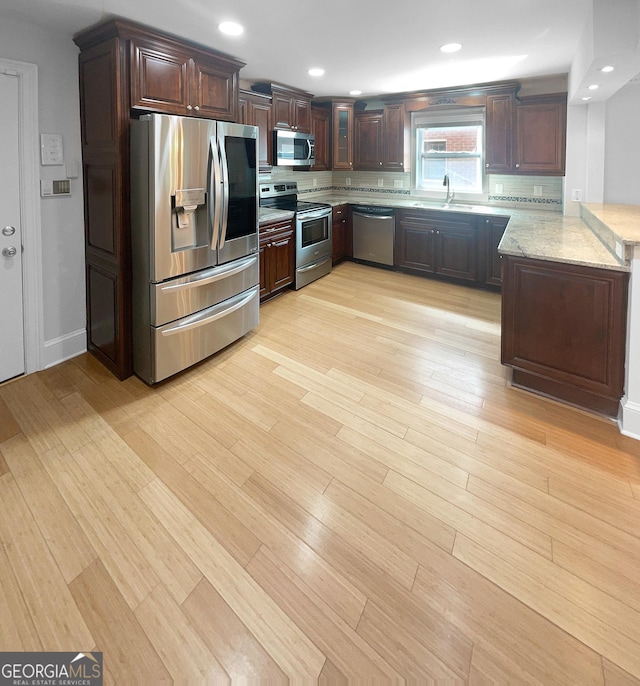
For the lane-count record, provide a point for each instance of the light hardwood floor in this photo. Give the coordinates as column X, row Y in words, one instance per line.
column 351, row 492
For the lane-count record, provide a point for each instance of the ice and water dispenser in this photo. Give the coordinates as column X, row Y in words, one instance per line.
column 189, row 219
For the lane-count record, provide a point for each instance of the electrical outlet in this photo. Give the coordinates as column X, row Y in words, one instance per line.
column 499, row 189
column 576, row 195
column 537, row 191
column 397, row 183
column 380, row 183
column 315, row 183
column 348, row 180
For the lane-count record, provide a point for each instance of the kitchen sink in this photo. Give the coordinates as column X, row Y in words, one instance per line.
column 446, row 206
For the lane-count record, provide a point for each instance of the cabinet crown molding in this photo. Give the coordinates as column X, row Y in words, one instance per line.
column 122, row 28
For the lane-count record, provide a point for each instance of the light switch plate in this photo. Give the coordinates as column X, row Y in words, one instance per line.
column 51, row 151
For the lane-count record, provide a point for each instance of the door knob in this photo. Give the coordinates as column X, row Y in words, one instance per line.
column 8, row 231
column 9, row 252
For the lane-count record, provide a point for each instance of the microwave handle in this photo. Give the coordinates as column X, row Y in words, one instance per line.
column 310, row 147
column 214, row 194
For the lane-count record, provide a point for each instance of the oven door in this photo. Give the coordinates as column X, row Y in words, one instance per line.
column 313, row 236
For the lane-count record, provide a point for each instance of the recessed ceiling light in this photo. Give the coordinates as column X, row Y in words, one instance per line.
column 587, row 97
column 607, row 69
column 355, row 92
column 594, row 87
column 230, row 28
column 316, row 71
column 451, row 47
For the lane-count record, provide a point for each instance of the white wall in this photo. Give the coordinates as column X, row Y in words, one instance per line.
column 622, row 147
column 63, row 296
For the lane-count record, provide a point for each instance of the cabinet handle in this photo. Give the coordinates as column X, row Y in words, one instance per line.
column 189, row 108
column 517, row 166
column 197, row 108
column 380, row 163
column 487, row 165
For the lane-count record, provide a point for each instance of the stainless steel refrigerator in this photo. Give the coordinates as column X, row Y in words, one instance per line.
column 194, row 220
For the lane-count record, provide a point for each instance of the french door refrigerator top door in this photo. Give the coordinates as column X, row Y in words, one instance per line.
column 203, row 193
column 235, row 180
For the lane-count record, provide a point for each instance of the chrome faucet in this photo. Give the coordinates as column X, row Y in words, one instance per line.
column 450, row 193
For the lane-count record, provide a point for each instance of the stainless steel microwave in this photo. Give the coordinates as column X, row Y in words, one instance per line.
column 293, row 148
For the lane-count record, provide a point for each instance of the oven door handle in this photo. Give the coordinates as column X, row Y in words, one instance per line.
column 314, row 215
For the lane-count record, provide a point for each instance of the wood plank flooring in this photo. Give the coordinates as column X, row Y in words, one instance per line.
column 352, row 492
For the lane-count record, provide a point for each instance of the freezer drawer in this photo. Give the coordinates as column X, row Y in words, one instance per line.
column 171, row 300
column 182, row 343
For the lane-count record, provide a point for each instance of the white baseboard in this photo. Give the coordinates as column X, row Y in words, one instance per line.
column 629, row 422
column 64, row 348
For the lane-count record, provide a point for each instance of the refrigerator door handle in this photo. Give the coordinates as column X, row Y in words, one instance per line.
column 225, row 190
column 215, row 199
column 204, row 318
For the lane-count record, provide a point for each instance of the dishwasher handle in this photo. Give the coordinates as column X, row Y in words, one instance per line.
column 372, row 216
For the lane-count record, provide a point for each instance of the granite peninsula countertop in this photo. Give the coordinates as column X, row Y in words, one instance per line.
column 602, row 237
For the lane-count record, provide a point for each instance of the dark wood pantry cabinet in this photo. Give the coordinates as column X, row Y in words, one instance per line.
column 125, row 70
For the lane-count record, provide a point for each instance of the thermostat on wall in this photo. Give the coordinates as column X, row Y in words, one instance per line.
column 50, row 188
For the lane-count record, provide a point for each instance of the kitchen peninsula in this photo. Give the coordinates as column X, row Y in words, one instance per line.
column 565, row 281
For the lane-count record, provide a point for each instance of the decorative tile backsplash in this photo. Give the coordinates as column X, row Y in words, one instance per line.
column 539, row 192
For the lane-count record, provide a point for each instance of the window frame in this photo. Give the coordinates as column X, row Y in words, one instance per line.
column 445, row 117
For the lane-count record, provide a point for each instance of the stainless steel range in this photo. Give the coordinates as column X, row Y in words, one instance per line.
column 313, row 229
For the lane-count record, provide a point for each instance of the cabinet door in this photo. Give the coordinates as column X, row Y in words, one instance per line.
column 282, row 261
column 564, row 330
column 541, row 137
column 277, row 257
column 320, row 123
column 342, row 129
column 339, row 233
column 414, row 247
column 214, row 89
column 283, row 115
column 499, row 133
column 456, row 250
column 159, row 77
column 491, row 230
column 265, row 289
column 259, row 114
column 368, row 140
column 302, row 115
column 393, row 137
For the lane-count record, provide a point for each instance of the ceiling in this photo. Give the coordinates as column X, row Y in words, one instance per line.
column 376, row 48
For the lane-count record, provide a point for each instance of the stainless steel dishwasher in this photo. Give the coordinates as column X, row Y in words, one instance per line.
column 373, row 234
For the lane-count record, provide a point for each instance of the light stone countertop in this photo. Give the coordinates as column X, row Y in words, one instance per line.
column 268, row 214
column 542, row 234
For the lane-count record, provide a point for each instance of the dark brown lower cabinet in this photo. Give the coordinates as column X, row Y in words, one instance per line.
column 277, row 257
column 339, row 233
column 564, row 330
column 437, row 243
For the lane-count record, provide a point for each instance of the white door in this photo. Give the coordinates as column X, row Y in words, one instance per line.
column 12, row 357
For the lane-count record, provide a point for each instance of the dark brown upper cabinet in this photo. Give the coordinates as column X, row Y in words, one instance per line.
column 291, row 108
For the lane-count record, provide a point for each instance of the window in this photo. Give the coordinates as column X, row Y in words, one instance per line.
column 449, row 142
